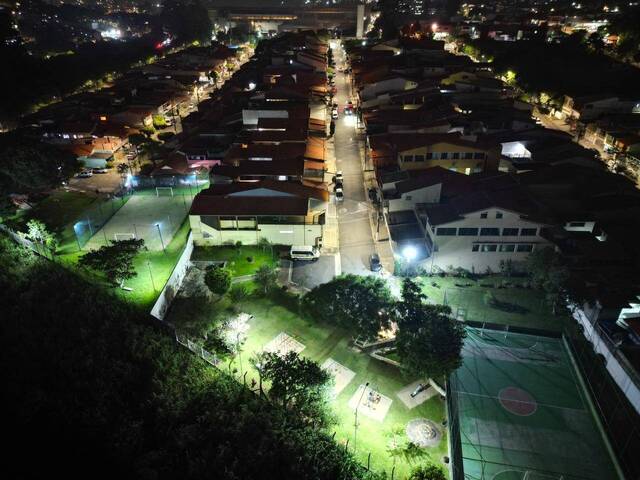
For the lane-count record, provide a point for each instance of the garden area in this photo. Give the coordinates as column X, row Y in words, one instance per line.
column 240, row 259
column 400, row 417
column 493, row 299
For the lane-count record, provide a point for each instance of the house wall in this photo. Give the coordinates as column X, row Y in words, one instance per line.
column 397, row 84
column 251, row 117
column 408, row 200
column 458, row 250
column 281, row 234
column 467, row 166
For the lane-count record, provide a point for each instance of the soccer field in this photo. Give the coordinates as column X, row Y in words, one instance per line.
column 518, row 411
column 152, row 218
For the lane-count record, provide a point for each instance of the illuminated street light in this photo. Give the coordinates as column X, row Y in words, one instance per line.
column 252, row 85
column 409, row 253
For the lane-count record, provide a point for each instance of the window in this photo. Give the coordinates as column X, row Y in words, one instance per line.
column 429, row 156
column 483, row 215
column 498, row 214
column 524, row 248
column 407, row 158
column 407, row 197
column 419, row 158
column 468, row 155
column 507, row 248
column 478, row 155
column 446, row 232
column 489, row 248
column 490, row 232
column 475, row 248
column 528, row 232
column 456, row 155
column 468, row 232
column 510, row 232
column 577, row 224
column 444, row 155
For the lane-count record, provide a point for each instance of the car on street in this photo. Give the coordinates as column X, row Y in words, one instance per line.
column 339, row 194
column 420, row 388
column 334, row 113
column 338, row 178
column 374, row 262
column 100, row 170
column 304, row 252
column 84, row 174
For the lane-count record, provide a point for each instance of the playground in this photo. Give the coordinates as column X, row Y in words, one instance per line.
column 518, row 411
column 152, row 218
column 379, row 434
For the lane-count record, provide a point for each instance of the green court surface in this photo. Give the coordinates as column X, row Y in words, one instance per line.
column 152, row 218
column 518, row 411
column 375, row 437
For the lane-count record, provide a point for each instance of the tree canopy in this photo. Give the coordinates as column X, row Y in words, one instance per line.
column 91, row 385
column 217, row 279
column 115, row 261
column 360, row 304
column 428, row 340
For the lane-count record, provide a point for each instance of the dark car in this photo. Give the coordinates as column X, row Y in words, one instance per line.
column 374, row 262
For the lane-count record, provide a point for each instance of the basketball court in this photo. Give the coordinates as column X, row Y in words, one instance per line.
column 341, row 374
column 155, row 219
column 518, row 411
column 370, row 403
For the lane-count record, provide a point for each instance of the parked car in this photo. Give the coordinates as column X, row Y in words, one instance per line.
column 339, row 194
column 374, row 262
column 420, row 388
column 100, row 170
column 85, row 174
column 338, row 177
column 304, row 252
column 334, row 113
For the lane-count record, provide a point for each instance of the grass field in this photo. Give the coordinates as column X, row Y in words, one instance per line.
column 522, row 412
column 322, row 342
column 237, row 260
column 522, row 307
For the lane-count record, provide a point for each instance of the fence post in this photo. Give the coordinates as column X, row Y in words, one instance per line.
column 369, row 461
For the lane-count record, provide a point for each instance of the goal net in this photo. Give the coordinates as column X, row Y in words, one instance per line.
column 164, row 191
column 124, row 236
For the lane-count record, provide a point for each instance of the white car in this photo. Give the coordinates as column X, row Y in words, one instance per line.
column 334, row 113
column 85, row 174
column 339, row 194
column 339, row 177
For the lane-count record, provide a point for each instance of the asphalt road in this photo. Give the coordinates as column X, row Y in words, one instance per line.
column 356, row 241
column 312, row 274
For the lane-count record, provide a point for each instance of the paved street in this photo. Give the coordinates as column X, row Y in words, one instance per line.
column 312, row 274
column 356, row 242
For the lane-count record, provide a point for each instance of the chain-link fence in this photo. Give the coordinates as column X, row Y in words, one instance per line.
column 96, row 216
column 620, row 419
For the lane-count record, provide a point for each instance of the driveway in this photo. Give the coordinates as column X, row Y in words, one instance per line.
column 98, row 183
column 311, row 274
column 356, row 241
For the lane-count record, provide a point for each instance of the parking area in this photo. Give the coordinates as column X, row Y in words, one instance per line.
column 311, row 274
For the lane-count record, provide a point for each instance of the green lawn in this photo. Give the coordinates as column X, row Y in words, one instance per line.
column 238, row 260
column 517, row 306
column 323, row 342
column 59, row 211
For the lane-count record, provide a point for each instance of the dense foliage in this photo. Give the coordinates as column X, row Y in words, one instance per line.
column 360, row 304
column 217, row 279
column 115, row 260
column 428, row 340
column 91, row 388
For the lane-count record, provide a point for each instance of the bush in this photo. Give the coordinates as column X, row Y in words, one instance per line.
column 249, row 259
column 218, row 279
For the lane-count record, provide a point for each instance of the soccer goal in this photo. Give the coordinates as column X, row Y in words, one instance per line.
column 124, row 236
column 164, row 191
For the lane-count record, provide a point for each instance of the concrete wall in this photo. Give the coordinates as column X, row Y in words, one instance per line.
column 457, row 250
column 172, row 286
column 614, row 367
column 408, row 200
column 277, row 234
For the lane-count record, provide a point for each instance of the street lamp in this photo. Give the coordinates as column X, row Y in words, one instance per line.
column 409, row 253
column 355, row 425
column 160, row 233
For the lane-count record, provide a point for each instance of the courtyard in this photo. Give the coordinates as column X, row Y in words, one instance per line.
column 385, row 409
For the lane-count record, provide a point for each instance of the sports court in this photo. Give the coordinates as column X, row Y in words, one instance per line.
column 519, row 411
column 154, row 218
column 283, row 344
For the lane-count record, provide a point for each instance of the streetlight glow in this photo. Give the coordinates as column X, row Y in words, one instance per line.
column 409, row 252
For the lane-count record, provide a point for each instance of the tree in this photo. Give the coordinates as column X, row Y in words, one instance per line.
column 188, row 20
column 218, row 279
column 266, row 277
column 27, row 166
column 549, row 273
column 115, row 261
column 428, row 472
column 428, row 340
column 360, row 304
column 296, row 382
column 37, row 232
column 264, row 243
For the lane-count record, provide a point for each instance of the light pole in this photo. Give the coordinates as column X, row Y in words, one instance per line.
column 160, row 233
column 151, row 276
column 355, row 425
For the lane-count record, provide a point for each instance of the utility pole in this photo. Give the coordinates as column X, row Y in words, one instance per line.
column 355, row 425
